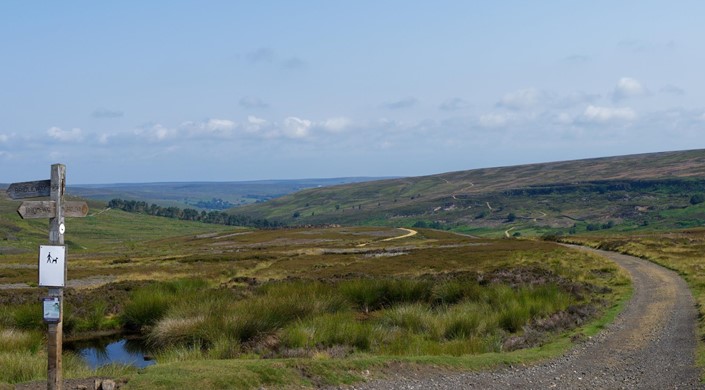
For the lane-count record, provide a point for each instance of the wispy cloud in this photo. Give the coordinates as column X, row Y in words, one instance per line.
column 454, row 104
column 628, row 87
column 576, row 59
column 521, row 99
column 262, row 54
column 294, row 127
column 293, row 63
column 641, row 46
column 154, row 133
column 401, row 103
column 493, row 120
column 598, row 114
column 212, row 128
column 106, row 113
column 672, row 90
column 336, row 125
column 266, row 55
column 72, row 135
column 253, row 102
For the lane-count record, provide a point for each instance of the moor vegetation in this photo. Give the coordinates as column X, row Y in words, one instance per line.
column 216, row 217
column 232, row 300
column 630, row 192
column 268, row 305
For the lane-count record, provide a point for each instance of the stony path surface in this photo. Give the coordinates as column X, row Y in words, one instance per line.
column 651, row 345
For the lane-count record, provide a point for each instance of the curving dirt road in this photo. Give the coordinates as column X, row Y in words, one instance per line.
column 651, row 345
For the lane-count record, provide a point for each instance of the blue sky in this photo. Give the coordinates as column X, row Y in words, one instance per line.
column 145, row 91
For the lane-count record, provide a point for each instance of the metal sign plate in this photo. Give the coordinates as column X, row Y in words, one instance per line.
column 52, row 265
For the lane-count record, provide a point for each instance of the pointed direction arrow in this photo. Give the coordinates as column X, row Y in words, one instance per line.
column 47, row 209
column 37, row 209
column 29, row 189
column 75, row 209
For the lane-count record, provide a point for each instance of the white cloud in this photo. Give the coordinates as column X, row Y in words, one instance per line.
column 212, row 128
column 219, row 126
column 521, row 99
column 296, row 127
column 4, row 137
column 156, row 132
column 564, row 118
column 672, row 89
column 253, row 102
column 598, row 114
column 254, row 124
column 74, row 134
column 575, row 98
column 107, row 113
column 336, row 125
column 493, row 120
column 262, row 54
column 577, row 59
column 628, row 87
column 454, row 104
column 401, row 103
column 293, row 63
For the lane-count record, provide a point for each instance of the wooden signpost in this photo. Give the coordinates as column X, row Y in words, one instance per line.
column 52, row 258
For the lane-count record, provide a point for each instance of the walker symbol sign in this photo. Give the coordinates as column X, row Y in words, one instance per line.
column 52, row 265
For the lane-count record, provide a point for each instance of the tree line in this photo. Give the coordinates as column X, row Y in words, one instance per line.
column 215, row 217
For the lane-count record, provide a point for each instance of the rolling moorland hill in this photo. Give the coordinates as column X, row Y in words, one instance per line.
column 644, row 191
column 204, row 195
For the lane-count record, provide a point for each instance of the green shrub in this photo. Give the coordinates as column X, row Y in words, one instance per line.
column 374, row 294
column 415, row 318
column 330, row 330
column 146, row 307
column 454, row 291
column 365, row 294
column 28, row 317
column 18, row 367
column 12, row 340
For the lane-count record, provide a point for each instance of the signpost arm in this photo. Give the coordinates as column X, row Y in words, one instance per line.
column 56, row 237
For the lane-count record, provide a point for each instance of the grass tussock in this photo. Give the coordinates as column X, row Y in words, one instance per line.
column 453, row 315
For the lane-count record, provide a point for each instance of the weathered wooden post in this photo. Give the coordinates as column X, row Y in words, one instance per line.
column 52, row 257
column 56, row 237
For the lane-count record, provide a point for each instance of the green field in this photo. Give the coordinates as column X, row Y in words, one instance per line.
column 447, row 272
column 241, row 308
column 626, row 193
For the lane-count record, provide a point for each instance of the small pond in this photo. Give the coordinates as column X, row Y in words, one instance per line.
column 101, row 351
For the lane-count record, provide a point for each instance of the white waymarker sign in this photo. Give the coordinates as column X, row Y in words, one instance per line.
column 52, row 265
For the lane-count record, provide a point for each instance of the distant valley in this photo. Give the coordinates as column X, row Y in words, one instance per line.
column 646, row 191
column 205, row 195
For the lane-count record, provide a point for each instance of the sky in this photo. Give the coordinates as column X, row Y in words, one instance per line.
column 154, row 91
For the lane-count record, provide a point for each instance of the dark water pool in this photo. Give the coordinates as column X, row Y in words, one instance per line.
column 101, row 351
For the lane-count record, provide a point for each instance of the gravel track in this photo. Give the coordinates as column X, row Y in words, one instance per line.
column 651, row 345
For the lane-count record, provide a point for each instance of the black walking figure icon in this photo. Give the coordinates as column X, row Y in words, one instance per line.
column 50, row 259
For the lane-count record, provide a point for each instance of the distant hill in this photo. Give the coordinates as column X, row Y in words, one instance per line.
column 205, row 195
column 626, row 192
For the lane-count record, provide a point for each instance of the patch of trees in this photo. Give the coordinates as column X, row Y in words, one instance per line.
column 591, row 227
column 213, row 204
column 215, row 217
column 604, row 186
column 433, row 225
